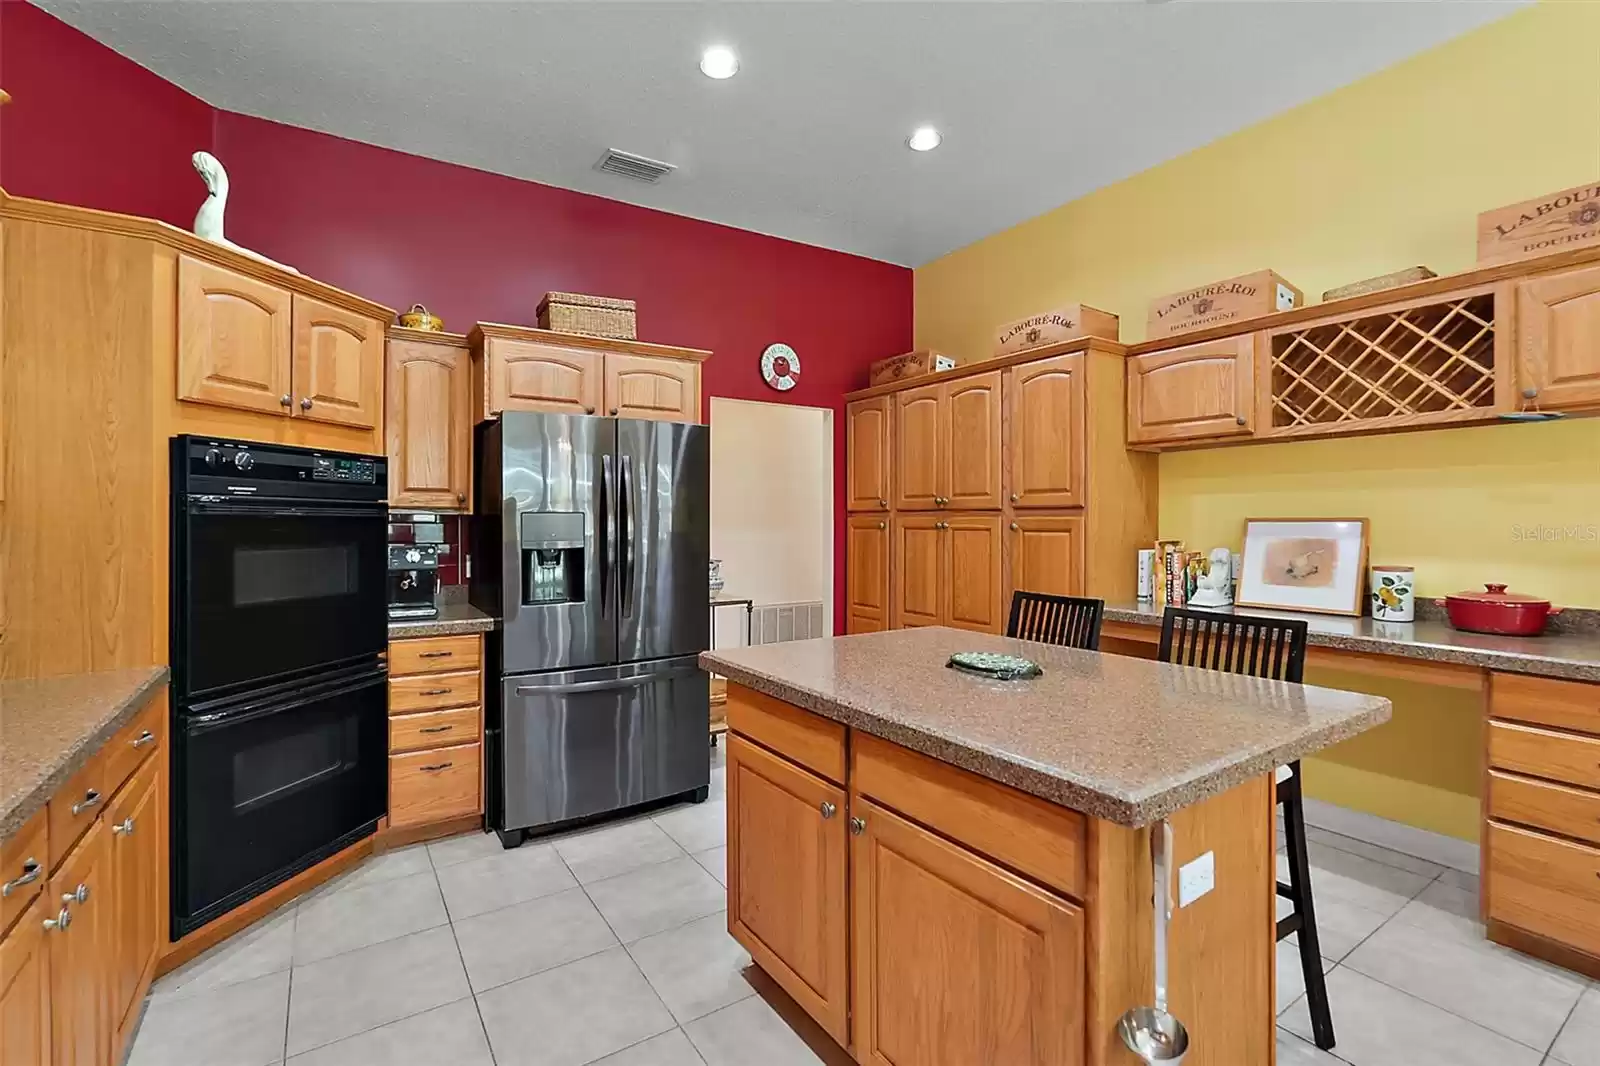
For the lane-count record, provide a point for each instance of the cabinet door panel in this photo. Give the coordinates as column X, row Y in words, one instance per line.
column 867, row 445
column 80, row 1015
column 135, row 826
column 787, row 896
column 524, row 376
column 867, row 573
column 917, row 574
column 1558, row 338
column 1197, row 391
column 233, row 339
column 667, row 390
column 25, row 989
column 972, row 442
column 941, row 934
column 338, row 364
column 918, row 429
column 1045, row 443
column 973, row 573
column 1047, row 554
column 429, row 425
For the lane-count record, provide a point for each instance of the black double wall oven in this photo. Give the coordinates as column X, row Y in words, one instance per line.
column 279, row 589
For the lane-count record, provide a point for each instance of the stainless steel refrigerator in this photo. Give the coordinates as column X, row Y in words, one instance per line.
column 591, row 543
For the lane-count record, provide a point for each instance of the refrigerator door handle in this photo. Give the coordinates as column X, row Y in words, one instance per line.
column 628, row 536
column 599, row 686
column 609, row 503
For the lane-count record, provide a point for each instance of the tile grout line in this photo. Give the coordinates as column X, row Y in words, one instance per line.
column 1550, row 1052
column 472, row 993
column 288, row 999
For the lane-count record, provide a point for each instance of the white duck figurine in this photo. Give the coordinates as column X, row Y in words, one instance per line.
column 208, row 220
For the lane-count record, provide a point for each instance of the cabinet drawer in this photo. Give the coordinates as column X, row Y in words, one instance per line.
column 1545, row 886
column 1541, row 753
column 427, row 692
column 797, row 735
column 1571, row 812
column 1031, row 836
column 412, row 732
column 77, row 803
column 429, row 655
column 24, row 859
column 433, row 785
column 137, row 741
column 1546, row 701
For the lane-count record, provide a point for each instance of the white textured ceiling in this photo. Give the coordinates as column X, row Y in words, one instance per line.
column 1039, row 102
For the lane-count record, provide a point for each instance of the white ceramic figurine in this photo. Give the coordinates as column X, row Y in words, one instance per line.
column 1216, row 588
column 208, row 220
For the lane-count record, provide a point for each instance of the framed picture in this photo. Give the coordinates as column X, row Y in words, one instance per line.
column 1304, row 564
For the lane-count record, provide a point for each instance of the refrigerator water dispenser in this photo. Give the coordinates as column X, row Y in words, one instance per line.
column 552, row 557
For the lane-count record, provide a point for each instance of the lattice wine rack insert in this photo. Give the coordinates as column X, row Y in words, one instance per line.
column 1423, row 360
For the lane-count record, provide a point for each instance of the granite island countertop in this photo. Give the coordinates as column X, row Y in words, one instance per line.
column 454, row 619
column 49, row 728
column 1124, row 739
column 1565, row 650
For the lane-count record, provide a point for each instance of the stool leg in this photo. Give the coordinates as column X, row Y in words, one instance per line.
column 1294, row 833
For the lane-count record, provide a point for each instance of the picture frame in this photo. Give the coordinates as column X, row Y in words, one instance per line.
column 1317, row 565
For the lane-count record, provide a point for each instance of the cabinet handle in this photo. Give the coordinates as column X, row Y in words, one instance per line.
column 437, row 767
column 883, row 525
column 1527, row 394
column 144, row 738
column 285, row 399
column 77, row 895
column 123, row 828
column 90, row 799
column 589, row 409
column 858, row 826
column 435, row 655
column 1015, row 526
column 461, row 497
column 435, row 692
column 60, row 921
column 1015, row 497
column 305, row 403
column 437, row 729
column 828, row 809
column 1242, row 420
column 30, row 874
column 884, row 504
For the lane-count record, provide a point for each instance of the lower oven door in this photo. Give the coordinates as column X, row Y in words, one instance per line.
column 583, row 742
column 263, row 790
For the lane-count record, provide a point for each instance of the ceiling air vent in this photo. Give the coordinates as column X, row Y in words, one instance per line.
column 634, row 167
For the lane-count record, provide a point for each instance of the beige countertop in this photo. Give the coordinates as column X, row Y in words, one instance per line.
column 49, row 728
column 1569, row 649
column 454, row 619
column 1120, row 738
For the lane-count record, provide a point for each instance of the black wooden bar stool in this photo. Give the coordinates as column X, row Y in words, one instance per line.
column 1275, row 648
column 1070, row 620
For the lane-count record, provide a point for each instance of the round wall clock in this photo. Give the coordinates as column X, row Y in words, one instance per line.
column 780, row 367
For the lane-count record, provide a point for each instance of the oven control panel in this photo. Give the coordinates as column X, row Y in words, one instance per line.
column 236, row 468
column 359, row 471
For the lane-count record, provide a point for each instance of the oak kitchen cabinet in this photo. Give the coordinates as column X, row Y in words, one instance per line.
column 1204, row 390
column 867, row 445
column 1558, row 339
column 867, row 573
column 435, row 733
column 1046, row 553
column 251, row 345
column 947, row 571
column 25, row 990
column 947, row 445
column 428, row 423
column 516, row 368
column 1045, row 403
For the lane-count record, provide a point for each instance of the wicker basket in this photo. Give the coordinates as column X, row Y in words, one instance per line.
column 598, row 316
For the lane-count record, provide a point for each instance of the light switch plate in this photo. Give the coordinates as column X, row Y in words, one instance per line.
column 1196, row 878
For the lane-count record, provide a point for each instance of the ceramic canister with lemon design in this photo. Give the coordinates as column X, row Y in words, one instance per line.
column 1393, row 595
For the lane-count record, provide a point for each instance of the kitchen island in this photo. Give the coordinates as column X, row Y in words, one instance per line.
column 942, row 868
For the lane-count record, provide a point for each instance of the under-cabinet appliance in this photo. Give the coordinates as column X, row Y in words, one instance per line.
column 591, row 544
column 278, row 631
column 413, row 580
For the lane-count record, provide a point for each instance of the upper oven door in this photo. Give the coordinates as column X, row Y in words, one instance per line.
column 266, row 592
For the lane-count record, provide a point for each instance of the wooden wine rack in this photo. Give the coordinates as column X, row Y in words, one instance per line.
column 1432, row 361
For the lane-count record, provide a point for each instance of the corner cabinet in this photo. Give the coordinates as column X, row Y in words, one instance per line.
column 867, row 573
column 516, row 368
column 1197, row 391
column 1558, row 339
column 429, row 420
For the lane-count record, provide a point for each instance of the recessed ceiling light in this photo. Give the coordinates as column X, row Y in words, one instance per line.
column 924, row 139
column 719, row 62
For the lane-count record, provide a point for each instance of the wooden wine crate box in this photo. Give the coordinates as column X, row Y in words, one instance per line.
column 910, row 365
column 1555, row 222
column 1065, row 323
column 1220, row 303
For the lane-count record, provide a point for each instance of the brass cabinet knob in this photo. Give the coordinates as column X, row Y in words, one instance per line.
column 1015, row 526
column 883, row 525
column 1015, row 497
column 614, row 410
column 1242, row 420
column 461, row 497
column 828, row 809
column 588, row 409
column 858, row 826
column 884, row 504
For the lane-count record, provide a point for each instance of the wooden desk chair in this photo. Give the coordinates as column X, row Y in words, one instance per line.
column 1069, row 620
column 1275, row 648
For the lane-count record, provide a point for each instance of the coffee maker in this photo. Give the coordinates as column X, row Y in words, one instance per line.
column 413, row 580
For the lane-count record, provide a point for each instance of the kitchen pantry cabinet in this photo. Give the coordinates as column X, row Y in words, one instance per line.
column 1045, row 403
column 1558, row 339
column 429, row 420
column 1046, row 553
column 867, row 573
column 435, row 733
column 1204, row 390
column 947, row 571
column 252, row 346
column 521, row 369
column 867, row 444
column 947, row 445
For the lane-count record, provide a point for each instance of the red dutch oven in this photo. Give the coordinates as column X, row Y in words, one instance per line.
column 1495, row 610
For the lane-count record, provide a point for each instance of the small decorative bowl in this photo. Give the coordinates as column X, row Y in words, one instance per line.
column 994, row 666
column 420, row 317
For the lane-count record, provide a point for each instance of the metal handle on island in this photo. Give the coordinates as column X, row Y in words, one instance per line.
column 30, row 874
column 123, row 828
column 77, row 895
column 90, row 799
column 144, row 738
column 60, row 921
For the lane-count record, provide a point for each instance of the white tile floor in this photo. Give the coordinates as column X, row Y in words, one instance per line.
column 609, row 946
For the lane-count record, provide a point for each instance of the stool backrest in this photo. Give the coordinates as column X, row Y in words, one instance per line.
column 1236, row 643
column 1073, row 621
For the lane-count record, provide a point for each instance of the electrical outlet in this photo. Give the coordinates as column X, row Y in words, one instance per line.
column 1197, row 878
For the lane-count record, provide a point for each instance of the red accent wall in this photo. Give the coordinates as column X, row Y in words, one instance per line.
column 88, row 126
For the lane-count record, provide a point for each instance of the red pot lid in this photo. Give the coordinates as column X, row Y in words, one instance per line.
column 1497, row 595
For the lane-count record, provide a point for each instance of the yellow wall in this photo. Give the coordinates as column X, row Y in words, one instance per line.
column 1387, row 173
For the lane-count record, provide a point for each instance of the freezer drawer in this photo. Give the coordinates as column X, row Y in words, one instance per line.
column 584, row 742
